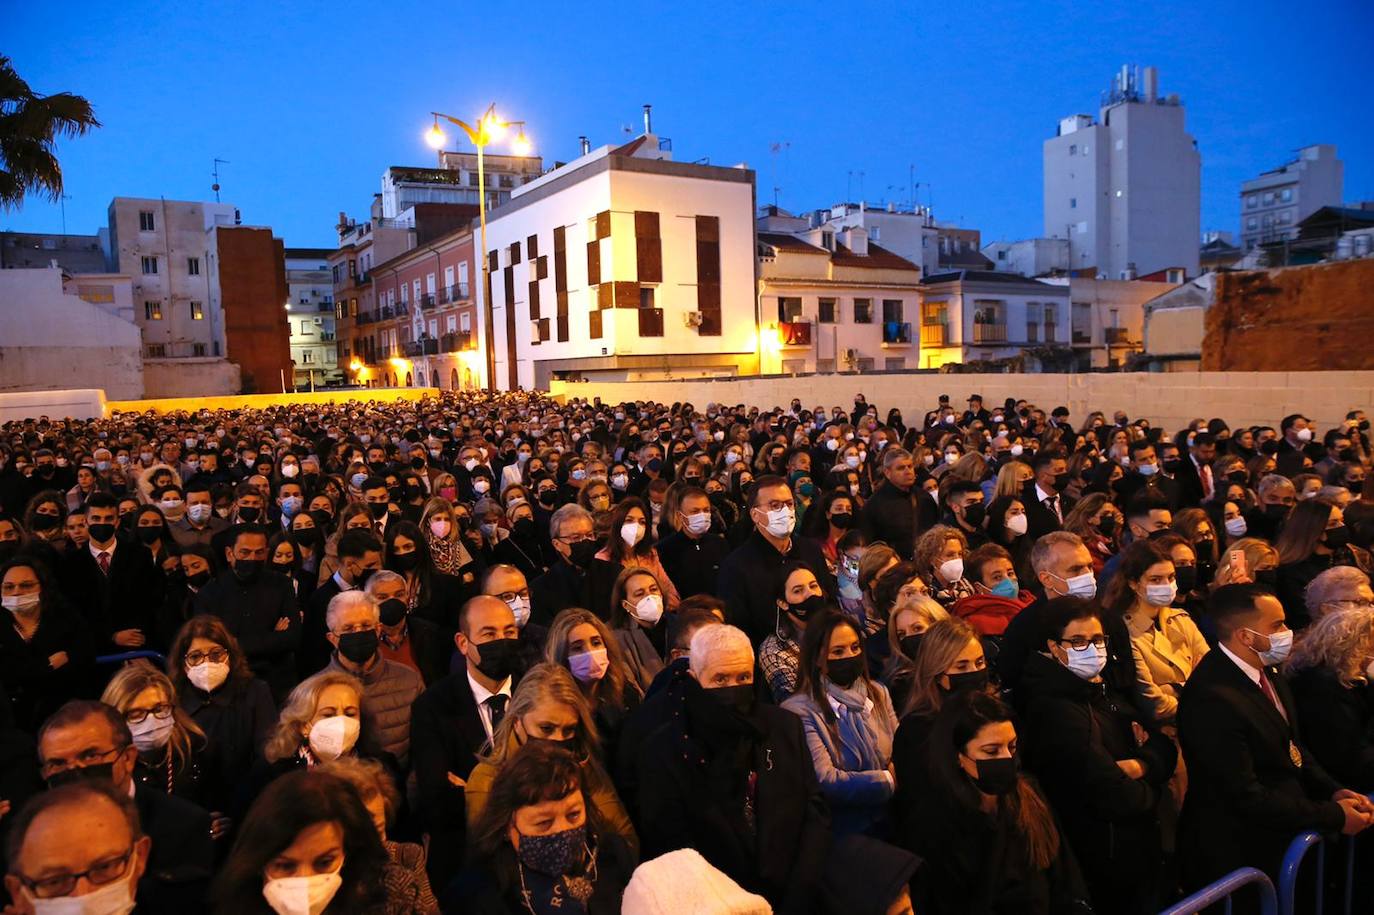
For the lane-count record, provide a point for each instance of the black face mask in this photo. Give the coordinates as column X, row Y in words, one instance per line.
column 975, row 681
column 1336, row 537
column 378, row 467
column 100, row 533
column 378, row 510
column 1237, row 476
column 523, row 529
column 100, row 772
column 404, row 562
column 358, row 647
column 43, row 522
column 249, row 513
column 1061, row 481
column 844, row 671
column 1206, row 550
column 1107, row 526
column 414, row 492
column 975, row 513
column 842, row 520
column 911, row 644
column 417, row 463
column 654, row 466
column 1172, row 465
column 1355, row 486
column 583, row 552
column 247, row 570
column 1267, row 577
column 548, row 498
column 738, row 698
column 1162, row 532
column 285, row 568
column 198, row 579
column 805, row 609
column 1364, row 425
column 498, row 659
column 149, row 534
column 323, row 519
column 1186, row 578
column 1276, row 510
column 393, row 611
column 996, row 776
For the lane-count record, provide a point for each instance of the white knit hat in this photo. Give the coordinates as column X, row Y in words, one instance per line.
column 683, row 881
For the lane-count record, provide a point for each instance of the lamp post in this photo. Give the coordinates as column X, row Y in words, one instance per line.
column 489, row 127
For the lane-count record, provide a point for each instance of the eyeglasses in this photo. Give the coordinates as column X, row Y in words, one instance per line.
column 138, row 715
column 91, row 757
column 99, row 874
column 577, row 538
column 196, row 658
column 1079, row 643
column 510, row 596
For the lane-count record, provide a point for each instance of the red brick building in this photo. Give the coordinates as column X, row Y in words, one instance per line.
column 248, row 278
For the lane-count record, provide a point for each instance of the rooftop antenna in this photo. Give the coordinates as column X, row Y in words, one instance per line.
column 62, row 201
column 215, row 187
column 776, row 148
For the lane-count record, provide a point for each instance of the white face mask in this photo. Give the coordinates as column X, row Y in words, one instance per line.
column 113, row 899
column 780, row 522
column 208, row 675
column 290, row 470
column 1161, row 595
column 1304, row 435
column 620, row 481
column 22, row 603
column 1087, row 663
column 851, row 461
column 152, row 733
column 1280, row 644
column 1236, row 526
column 952, row 570
column 302, row 895
column 199, row 513
column 332, row 737
column 470, row 464
column 631, row 532
column 1017, row 524
column 480, row 486
column 649, row 609
column 521, row 608
column 699, row 523
column 1084, row 585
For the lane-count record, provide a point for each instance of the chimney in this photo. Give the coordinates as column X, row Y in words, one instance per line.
column 586, row 145
column 1151, row 84
column 648, row 122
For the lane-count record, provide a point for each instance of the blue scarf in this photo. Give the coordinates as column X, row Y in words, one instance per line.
column 858, row 747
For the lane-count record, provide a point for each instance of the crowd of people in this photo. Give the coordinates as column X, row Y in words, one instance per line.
column 499, row 654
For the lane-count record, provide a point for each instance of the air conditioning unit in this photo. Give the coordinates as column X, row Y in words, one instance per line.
column 692, row 319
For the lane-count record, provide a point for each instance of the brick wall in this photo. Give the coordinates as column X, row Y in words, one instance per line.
column 253, row 291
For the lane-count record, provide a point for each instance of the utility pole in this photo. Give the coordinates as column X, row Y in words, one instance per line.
column 215, row 187
column 62, row 201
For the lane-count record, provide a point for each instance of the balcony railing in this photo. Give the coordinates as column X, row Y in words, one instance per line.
column 458, row 292
column 1115, row 335
column 896, row 332
column 456, row 342
column 366, row 317
column 325, row 307
column 427, row 302
column 1082, row 336
column 989, row 333
column 425, row 347
column 795, row 333
column 934, row 334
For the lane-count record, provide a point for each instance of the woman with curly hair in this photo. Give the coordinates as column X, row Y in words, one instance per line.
column 1331, row 670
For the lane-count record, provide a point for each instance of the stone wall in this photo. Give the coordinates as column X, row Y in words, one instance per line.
column 260, row 401
column 208, row 377
column 1169, row 400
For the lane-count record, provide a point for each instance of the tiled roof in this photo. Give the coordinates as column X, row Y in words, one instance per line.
column 878, row 258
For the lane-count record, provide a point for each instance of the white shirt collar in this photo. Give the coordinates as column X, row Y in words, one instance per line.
column 481, row 694
column 1042, row 495
column 96, row 551
column 339, row 580
column 1245, row 666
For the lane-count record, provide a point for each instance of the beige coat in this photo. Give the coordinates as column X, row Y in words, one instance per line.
column 1166, row 651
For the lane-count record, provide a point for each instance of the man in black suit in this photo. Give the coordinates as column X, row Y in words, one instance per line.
column 568, row 582
column 1253, row 786
column 452, row 719
column 360, row 554
column 1145, row 475
column 89, row 740
column 112, row 581
column 1195, row 479
column 692, row 554
column 1046, row 505
column 258, row 607
column 897, row 510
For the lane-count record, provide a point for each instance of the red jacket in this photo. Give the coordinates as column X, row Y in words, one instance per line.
column 990, row 614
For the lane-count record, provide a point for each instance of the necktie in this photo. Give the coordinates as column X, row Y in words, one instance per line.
column 1268, row 689
column 496, row 705
column 1206, row 482
column 104, row 560
column 1053, row 503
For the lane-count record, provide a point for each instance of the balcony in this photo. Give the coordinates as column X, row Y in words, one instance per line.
column 457, row 342
column 935, row 334
column 993, row 333
column 427, row 303
column 366, row 317
column 795, row 333
column 1082, row 336
column 1115, row 336
column 896, row 333
column 325, row 307
column 458, row 292
column 427, row 346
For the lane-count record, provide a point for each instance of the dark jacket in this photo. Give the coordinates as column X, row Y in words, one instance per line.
column 315, row 650
column 182, row 857
column 128, row 598
column 236, row 718
column 1338, row 722
column 1247, row 794
column 1024, row 637
column 1135, row 482
column 896, row 517
column 693, row 565
column 491, row 885
column 564, row 586
column 35, row 689
column 1294, row 577
column 751, row 580
column 1075, row 733
column 250, row 611
column 1040, row 519
column 693, row 782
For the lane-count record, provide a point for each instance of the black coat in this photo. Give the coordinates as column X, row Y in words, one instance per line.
column 1040, row 520
column 441, row 599
column 1024, row 637
column 250, row 612
column 491, row 885
column 1134, row 483
column 314, row 651
column 685, row 802
column 182, row 858
column 897, row 517
column 1075, row 733
column 751, row 580
column 237, row 719
column 1247, row 798
column 693, row 565
column 564, row 586
column 130, row 597
column 35, row 689
column 1338, row 722
column 1294, row 577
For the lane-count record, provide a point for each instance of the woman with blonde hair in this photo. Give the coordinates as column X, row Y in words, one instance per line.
column 939, row 556
column 1249, row 559
column 441, row 531
column 1012, row 479
column 548, row 707
column 1330, row 671
column 638, row 620
column 321, row 721
column 170, row 745
column 579, row 641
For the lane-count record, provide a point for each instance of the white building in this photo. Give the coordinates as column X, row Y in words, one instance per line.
column 1272, row 205
column 1125, row 188
column 623, row 265
column 164, row 246
column 1029, row 256
column 310, row 312
column 974, row 315
column 908, row 233
column 84, row 326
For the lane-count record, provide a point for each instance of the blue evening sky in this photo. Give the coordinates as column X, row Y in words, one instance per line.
column 310, row 102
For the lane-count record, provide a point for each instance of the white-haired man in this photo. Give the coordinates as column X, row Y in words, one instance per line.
column 734, row 780
column 389, row 688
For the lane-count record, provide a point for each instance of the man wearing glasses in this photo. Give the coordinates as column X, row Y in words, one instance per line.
column 568, row 582
column 509, row 584
column 48, row 869
column 86, row 741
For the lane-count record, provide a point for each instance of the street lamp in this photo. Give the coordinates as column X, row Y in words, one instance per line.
column 489, row 127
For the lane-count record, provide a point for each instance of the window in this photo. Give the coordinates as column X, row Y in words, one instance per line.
column 863, row 311
column 157, row 351
column 1286, row 195
column 646, row 297
column 874, row 233
column 1073, row 149
column 465, row 322
column 894, row 364
column 1251, row 202
column 1268, row 198
column 429, row 283
column 1252, row 223
column 149, row 265
column 648, row 248
column 152, row 311
column 307, row 356
column 197, row 349
column 826, row 311
column 708, row 275
column 145, row 221
column 1073, row 203
column 789, row 308
column 415, row 289
column 193, row 266
column 892, row 310
column 197, row 312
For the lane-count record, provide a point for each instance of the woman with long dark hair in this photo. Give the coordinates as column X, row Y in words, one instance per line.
column 630, row 544
column 430, row 593
column 1313, row 539
column 47, row 655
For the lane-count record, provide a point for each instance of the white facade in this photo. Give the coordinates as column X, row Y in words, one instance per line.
column 310, row 312
column 981, row 315
column 1029, row 256
column 84, row 327
column 164, row 245
column 1125, row 189
column 909, row 234
column 603, row 313
column 1272, row 205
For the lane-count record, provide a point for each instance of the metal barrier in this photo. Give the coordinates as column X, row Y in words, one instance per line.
column 1222, row 890
column 156, row 657
column 1292, row 864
